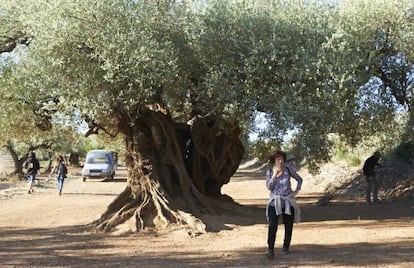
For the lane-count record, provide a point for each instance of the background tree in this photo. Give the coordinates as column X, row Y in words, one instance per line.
column 335, row 76
column 380, row 107
column 29, row 120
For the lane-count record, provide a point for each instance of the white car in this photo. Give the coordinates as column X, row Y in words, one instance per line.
column 99, row 164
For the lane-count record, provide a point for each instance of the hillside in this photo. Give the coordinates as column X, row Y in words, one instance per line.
column 339, row 180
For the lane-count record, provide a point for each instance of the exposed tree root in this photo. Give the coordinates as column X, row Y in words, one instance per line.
column 149, row 210
column 161, row 189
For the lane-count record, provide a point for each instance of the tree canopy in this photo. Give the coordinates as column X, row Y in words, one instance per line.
column 287, row 59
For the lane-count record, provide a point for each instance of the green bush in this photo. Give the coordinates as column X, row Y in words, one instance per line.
column 340, row 153
column 354, row 161
column 405, row 151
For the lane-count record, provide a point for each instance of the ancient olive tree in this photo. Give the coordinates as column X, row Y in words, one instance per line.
column 128, row 68
column 181, row 80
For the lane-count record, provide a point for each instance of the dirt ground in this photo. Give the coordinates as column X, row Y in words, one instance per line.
column 47, row 230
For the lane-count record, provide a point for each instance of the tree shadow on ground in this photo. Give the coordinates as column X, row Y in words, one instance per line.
column 344, row 210
column 76, row 247
column 43, row 247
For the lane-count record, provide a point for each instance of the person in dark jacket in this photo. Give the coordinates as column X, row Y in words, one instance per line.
column 371, row 178
column 32, row 166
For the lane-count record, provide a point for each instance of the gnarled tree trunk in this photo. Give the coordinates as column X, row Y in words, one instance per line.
column 18, row 162
column 173, row 171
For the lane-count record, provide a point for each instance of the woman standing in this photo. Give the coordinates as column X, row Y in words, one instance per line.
column 61, row 171
column 282, row 201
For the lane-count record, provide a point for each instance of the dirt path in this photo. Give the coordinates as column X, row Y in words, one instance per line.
column 47, row 230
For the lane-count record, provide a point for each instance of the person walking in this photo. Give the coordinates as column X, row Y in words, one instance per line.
column 61, row 172
column 32, row 167
column 371, row 177
column 282, row 201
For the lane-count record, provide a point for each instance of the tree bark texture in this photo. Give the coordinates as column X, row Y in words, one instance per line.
column 18, row 162
column 175, row 170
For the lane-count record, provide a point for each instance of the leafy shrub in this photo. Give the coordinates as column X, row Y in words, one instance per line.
column 354, row 161
column 405, row 151
column 340, row 153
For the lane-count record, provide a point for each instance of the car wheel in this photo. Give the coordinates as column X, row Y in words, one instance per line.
column 84, row 179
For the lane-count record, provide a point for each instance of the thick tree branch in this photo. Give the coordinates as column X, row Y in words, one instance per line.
column 9, row 43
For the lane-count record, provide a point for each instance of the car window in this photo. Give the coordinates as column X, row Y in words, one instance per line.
column 98, row 159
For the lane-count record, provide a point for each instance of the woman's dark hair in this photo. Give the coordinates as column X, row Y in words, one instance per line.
column 276, row 154
column 60, row 158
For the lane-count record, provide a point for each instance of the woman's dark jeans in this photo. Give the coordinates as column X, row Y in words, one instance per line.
column 273, row 222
